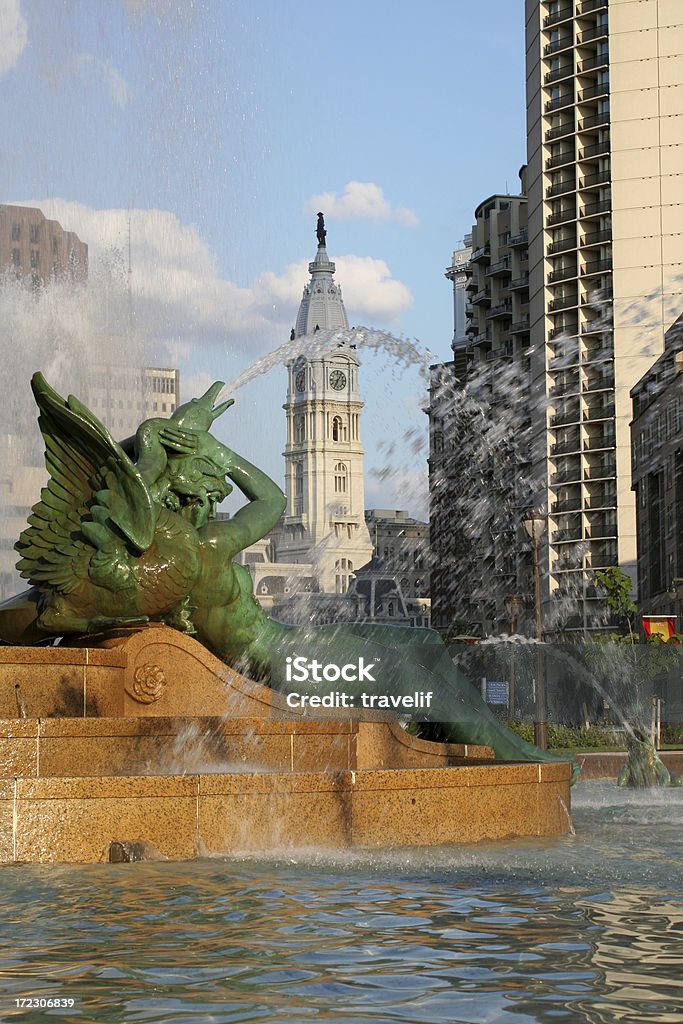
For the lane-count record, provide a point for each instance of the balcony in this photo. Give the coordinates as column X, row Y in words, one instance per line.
column 519, row 283
column 601, row 531
column 588, row 6
column 599, row 382
column 563, row 388
column 600, row 60
column 597, row 237
column 600, row 412
column 561, row 245
column 597, row 266
column 594, row 121
column 566, row 356
column 599, row 298
column 564, row 14
column 591, row 92
column 571, row 447
column 557, row 74
column 591, row 34
column 562, row 274
column 483, row 253
column 568, row 330
column 566, row 505
column 565, row 417
column 562, row 536
column 482, row 297
column 560, row 159
column 603, row 499
column 599, row 442
column 593, row 209
column 565, row 42
column 606, row 472
column 520, row 327
column 499, row 268
column 562, row 216
column 599, row 178
column 560, row 188
column 591, row 152
column 480, row 338
column 502, row 309
column 567, row 565
column 560, row 102
column 605, row 561
column 521, row 239
column 597, row 326
column 563, row 302
column 572, row 476
column 601, row 353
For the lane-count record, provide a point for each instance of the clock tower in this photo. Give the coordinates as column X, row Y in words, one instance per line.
column 324, row 523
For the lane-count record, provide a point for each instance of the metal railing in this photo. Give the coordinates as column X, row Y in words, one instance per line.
column 560, row 188
column 563, row 274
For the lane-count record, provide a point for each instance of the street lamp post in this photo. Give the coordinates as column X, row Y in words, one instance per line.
column 514, row 606
column 535, row 525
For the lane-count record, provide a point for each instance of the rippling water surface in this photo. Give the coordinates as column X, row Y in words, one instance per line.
column 584, row 928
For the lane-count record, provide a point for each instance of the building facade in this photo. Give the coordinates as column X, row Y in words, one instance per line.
column 605, row 174
column 657, row 469
column 480, row 422
column 38, row 249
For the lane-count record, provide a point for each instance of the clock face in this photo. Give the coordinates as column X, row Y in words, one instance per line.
column 300, row 380
column 337, row 380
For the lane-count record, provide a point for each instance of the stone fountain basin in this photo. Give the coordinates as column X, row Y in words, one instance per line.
column 149, row 737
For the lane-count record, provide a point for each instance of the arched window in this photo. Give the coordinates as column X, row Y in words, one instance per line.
column 340, row 475
column 300, row 429
column 338, row 429
column 299, row 480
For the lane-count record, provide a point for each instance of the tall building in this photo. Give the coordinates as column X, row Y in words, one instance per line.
column 458, row 274
column 39, row 249
column 480, row 422
column 324, row 523
column 605, row 177
column 657, row 459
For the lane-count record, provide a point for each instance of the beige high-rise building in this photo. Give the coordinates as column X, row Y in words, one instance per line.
column 605, row 180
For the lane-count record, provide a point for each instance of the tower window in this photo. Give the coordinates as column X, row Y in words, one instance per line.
column 299, row 480
column 339, row 432
column 340, row 478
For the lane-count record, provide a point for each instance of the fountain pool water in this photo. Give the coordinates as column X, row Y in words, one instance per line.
column 583, row 928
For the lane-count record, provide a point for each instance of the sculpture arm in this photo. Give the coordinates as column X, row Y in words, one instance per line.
column 255, row 520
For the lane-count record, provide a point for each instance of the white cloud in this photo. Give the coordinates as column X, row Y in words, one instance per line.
column 361, row 200
column 370, row 292
column 180, row 298
column 13, row 34
column 110, row 75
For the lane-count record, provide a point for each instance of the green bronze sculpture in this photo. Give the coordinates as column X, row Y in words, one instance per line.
column 644, row 768
column 126, row 533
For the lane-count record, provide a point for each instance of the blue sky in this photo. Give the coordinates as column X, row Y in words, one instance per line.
column 218, row 123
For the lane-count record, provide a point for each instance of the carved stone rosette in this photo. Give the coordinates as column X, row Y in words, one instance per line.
column 149, row 683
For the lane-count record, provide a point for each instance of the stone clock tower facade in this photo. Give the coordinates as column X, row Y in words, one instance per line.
column 324, row 523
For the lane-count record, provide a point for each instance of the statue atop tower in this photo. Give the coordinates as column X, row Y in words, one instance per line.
column 320, row 231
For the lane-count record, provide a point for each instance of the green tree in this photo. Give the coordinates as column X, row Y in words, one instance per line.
column 617, row 586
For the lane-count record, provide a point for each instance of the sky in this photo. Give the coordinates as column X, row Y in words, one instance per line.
column 218, row 128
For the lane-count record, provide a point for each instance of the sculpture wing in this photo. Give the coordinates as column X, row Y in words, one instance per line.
column 95, row 494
